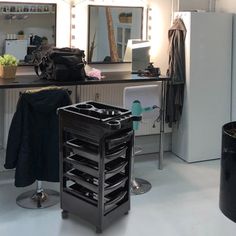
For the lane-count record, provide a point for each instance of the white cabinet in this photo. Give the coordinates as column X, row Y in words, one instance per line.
column 17, row 48
column 113, row 94
column 208, row 86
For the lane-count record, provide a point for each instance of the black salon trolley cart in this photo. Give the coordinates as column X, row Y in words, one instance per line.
column 96, row 142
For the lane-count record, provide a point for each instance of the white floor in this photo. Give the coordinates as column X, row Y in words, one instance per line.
column 183, row 201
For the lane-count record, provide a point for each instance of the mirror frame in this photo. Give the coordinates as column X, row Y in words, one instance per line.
column 89, row 36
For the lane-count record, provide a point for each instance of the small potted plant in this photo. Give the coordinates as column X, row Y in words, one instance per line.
column 8, row 66
column 44, row 40
column 122, row 17
column 20, row 34
column 129, row 17
column 125, row 17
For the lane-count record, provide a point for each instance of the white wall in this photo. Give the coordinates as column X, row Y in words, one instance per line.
column 63, row 23
column 226, row 6
column 160, row 23
column 230, row 6
column 188, row 5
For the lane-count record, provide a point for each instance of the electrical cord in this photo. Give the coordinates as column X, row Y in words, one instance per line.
column 158, row 118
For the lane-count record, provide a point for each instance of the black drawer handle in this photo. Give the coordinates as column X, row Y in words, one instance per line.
column 117, row 199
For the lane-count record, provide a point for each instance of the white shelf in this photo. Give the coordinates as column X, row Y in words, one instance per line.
column 26, row 12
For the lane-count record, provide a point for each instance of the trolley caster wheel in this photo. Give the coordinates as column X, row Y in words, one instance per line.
column 126, row 213
column 64, row 214
column 98, row 230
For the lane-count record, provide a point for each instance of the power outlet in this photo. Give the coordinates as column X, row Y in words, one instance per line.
column 97, row 97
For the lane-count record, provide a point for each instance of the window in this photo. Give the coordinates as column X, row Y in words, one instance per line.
column 122, row 36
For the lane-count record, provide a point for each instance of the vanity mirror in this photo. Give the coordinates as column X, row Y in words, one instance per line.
column 26, row 26
column 109, row 29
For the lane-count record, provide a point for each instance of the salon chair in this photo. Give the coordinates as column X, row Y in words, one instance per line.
column 144, row 102
column 33, row 144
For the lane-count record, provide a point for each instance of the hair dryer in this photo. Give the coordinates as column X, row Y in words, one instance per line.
column 137, row 111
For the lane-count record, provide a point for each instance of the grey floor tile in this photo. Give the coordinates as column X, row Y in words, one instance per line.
column 183, row 201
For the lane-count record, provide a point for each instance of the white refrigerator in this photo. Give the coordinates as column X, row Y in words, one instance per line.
column 17, row 48
column 207, row 98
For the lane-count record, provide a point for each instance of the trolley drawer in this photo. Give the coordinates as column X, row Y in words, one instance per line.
column 111, row 201
column 91, row 167
column 118, row 140
column 84, row 149
column 112, row 155
column 83, row 164
column 91, row 152
column 91, row 182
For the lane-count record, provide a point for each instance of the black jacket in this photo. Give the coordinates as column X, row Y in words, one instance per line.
column 33, row 140
column 176, row 71
column 176, row 37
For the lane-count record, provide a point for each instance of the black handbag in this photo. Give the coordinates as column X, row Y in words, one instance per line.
column 62, row 64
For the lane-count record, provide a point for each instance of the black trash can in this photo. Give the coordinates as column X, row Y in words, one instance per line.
column 228, row 171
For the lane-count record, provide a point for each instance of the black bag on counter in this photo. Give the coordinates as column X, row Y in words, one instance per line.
column 62, row 64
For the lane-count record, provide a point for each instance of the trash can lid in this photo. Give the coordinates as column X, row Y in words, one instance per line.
column 230, row 129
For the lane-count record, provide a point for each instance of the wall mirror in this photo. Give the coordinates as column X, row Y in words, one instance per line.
column 24, row 27
column 109, row 29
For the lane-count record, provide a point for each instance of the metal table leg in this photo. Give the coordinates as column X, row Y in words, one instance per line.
column 162, row 123
column 138, row 185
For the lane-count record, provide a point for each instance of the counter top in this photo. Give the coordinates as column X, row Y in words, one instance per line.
column 27, row 78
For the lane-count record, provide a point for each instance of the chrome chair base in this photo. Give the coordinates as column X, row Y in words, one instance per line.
column 35, row 200
column 140, row 186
